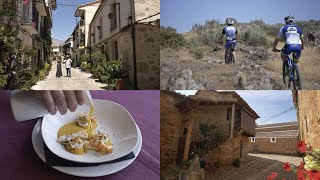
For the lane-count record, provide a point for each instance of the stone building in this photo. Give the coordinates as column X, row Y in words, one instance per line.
column 67, row 47
column 128, row 31
column 278, row 138
column 307, row 103
column 35, row 20
column 85, row 13
column 181, row 115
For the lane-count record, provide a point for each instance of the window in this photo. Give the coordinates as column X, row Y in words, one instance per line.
column 94, row 35
column 100, row 28
column 253, row 139
column 229, row 114
column 273, row 140
column 113, row 18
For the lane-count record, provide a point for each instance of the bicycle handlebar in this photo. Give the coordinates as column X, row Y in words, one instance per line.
column 277, row 50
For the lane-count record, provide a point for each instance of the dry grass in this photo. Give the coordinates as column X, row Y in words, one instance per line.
column 309, row 64
column 169, row 54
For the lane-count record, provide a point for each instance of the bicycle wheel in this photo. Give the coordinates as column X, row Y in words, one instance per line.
column 285, row 75
column 297, row 79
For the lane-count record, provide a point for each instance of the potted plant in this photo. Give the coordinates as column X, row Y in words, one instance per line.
column 88, row 68
column 185, row 164
column 119, row 74
column 83, row 65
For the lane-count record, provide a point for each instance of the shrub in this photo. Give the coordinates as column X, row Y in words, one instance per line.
column 3, row 76
column 236, row 162
column 25, row 80
column 197, row 52
column 88, row 66
column 42, row 74
column 83, row 65
column 169, row 38
column 104, row 79
column 84, row 58
column 99, row 59
column 255, row 37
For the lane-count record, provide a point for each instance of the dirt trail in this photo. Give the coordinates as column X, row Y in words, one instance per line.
column 249, row 72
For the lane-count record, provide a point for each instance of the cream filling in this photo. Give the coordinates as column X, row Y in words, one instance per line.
column 76, row 144
column 80, row 134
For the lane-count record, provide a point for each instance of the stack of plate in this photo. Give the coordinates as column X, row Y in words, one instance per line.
column 113, row 119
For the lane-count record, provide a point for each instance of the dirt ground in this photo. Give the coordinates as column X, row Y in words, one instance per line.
column 255, row 68
column 258, row 167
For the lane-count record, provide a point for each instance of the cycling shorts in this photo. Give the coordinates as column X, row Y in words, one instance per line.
column 229, row 43
column 292, row 48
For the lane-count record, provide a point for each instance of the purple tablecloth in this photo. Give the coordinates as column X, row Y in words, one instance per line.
column 19, row 160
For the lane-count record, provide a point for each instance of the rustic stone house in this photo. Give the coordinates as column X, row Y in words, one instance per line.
column 181, row 115
column 129, row 31
column 307, row 104
column 278, row 138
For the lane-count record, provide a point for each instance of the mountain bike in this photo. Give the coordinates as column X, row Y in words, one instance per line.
column 229, row 57
column 291, row 73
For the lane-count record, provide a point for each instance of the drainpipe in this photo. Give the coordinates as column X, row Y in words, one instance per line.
column 135, row 83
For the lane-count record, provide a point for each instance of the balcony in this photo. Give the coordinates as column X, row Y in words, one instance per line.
column 29, row 18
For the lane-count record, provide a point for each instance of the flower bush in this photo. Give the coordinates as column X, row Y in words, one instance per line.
column 309, row 169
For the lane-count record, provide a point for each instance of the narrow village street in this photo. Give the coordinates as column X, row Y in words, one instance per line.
column 79, row 80
column 258, row 167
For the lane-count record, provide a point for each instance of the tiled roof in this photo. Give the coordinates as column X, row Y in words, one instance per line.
column 292, row 133
column 293, row 123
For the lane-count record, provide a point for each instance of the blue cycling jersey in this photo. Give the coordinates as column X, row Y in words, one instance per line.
column 291, row 33
column 230, row 32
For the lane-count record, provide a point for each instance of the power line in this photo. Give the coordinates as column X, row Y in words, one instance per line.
column 279, row 114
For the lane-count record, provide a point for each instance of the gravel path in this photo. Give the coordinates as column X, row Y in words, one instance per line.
column 79, row 81
column 258, row 167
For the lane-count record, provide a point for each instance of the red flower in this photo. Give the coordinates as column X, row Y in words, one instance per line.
column 287, row 167
column 272, row 176
column 25, row 2
column 313, row 174
column 301, row 166
column 300, row 174
column 301, row 146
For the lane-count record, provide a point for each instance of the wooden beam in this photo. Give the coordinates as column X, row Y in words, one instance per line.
column 188, row 136
column 232, row 120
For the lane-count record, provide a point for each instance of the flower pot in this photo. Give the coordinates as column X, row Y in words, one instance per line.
column 96, row 75
column 120, row 84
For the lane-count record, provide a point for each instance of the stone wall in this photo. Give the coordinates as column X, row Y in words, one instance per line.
column 227, row 152
column 245, row 146
column 308, row 110
column 216, row 115
column 170, row 122
column 148, row 56
column 286, row 146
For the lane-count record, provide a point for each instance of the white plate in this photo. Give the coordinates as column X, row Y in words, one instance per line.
column 93, row 171
column 113, row 119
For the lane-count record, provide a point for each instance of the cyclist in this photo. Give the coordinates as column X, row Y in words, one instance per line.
column 231, row 32
column 294, row 40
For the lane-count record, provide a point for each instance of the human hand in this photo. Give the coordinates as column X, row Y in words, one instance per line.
column 61, row 100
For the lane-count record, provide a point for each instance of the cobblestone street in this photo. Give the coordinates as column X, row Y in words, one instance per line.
column 79, row 81
column 258, row 167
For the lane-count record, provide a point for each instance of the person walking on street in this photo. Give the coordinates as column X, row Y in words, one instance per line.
column 68, row 62
column 59, row 72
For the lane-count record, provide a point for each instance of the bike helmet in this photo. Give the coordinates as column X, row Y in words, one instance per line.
column 230, row 21
column 288, row 19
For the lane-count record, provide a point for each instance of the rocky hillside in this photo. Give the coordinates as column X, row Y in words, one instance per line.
column 195, row 60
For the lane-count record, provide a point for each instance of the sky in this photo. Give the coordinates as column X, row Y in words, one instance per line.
column 266, row 103
column 182, row 14
column 63, row 18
